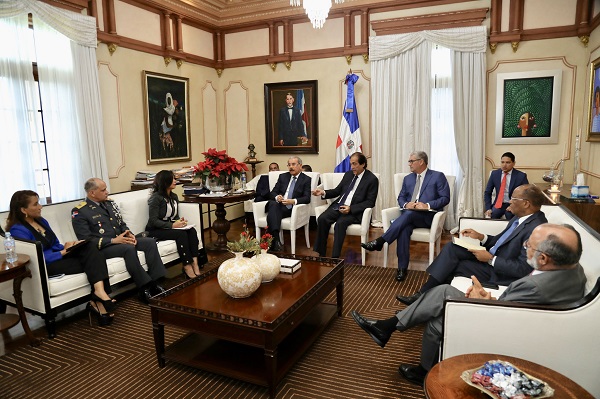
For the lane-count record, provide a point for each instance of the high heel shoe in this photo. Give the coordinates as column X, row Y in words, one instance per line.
column 109, row 304
column 187, row 276
column 104, row 319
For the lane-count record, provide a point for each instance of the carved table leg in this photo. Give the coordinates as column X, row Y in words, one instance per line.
column 33, row 341
column 221, row 227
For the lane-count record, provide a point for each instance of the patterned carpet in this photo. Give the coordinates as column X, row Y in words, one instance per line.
column 120, row 362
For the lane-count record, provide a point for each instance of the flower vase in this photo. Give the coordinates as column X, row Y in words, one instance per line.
column 218, row 184
column 269, row 265
column 239, row 277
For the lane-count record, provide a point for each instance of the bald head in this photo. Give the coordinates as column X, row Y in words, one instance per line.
column 554, row 246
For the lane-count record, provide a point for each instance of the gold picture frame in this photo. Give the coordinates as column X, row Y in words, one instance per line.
column 594, row 105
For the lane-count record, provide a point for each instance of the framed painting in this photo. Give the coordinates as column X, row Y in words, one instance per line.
column 166, row 100
column 528, row 107
column 291, row 115
column 594, row 104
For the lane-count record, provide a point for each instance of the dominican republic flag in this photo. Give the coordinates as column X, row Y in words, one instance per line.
column 348, row 141
column 302, row 107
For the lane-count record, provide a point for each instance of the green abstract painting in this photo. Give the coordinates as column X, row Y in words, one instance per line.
column 528, row 107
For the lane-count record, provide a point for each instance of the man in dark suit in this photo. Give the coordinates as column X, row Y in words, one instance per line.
column 423, row 192
column 503, row 260
column 552, row 250
column 357, row 192
column 292, row 188
column 98, row 219
column 504, row 181
column 290, row 123
column 262, row 189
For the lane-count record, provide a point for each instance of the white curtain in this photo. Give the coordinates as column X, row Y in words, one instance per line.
column 396, row 70
column 68, row 77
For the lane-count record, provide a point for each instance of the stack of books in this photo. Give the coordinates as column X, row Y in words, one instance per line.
column 185, row 175
column 289, row 266
column 144, row 175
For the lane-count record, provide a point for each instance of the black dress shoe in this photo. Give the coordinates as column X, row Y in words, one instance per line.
column 380, row 337
column 414, row 374
column 372, row 245
column 156, row 290
column 402, row 273
column 145, row 295
column 409, row 300
column 276, row 247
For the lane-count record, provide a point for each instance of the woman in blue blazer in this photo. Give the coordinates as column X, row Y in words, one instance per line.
column 25, row 221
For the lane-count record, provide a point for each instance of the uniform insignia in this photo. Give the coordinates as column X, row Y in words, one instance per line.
column 81, row 204
column 74, row 213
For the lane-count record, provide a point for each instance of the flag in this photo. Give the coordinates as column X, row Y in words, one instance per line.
column 348, row 141
column 302, row 107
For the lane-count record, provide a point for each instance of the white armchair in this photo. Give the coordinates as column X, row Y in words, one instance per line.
column 432, row 235
column 330, row 181
column 299, row 218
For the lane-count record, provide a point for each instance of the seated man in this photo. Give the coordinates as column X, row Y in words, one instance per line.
column 504, row 181
column 292, row 188
column 504, row 259
column 306, row 168
column 262, row 187
column 422, row 190
column 98, row 219
column 552, row 250
column 357, row 192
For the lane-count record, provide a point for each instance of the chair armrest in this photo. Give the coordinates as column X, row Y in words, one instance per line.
column 300, row 216
column 191, row 212
column 320, row 209
column 366, row 221
column 258, row 208
column 437, row 225
column 484, row 226
column 387, row 215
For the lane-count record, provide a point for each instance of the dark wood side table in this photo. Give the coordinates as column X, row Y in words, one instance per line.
column 221, row 225
column 443, row 380
column 16, row 271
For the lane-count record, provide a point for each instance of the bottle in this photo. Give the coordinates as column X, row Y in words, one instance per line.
column 243, row 179
column 9, row 248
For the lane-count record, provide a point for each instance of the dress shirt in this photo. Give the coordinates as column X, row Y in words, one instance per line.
column 422, row 174
column 287, row 190
column 351, row 194
column 505, row 197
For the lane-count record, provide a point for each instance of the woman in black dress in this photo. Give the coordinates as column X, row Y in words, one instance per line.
column 164, row 222
column 25, row 221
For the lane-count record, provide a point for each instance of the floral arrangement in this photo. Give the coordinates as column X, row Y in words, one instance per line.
column 217, row 164
column 265, row 241
column 246, row 243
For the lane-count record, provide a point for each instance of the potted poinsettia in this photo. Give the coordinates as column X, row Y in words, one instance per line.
column 218, row 170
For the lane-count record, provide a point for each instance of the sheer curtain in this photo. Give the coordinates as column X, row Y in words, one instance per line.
column 394, row 138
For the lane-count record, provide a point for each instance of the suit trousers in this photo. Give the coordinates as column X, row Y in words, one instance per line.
column 401, row 229
column 275, row 212
column 156, row 269
column 497, row 213
column 86, row 259
column 186, row 241
column 429, row 308
column 327, row 218
column 455, row 260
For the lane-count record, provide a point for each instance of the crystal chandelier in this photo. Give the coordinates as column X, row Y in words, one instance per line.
column 317, row 10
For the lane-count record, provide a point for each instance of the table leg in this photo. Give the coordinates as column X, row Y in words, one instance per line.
column 271, row 369
column 339, row 291
column 159, row 342
column 221, row 227
column 33, row 341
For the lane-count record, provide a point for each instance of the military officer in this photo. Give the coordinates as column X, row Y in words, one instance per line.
column 98, row 219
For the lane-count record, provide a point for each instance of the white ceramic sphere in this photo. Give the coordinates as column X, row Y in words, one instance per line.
column 239, row 277
column 269, row 266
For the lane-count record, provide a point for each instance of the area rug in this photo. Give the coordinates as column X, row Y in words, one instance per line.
column 119, row 361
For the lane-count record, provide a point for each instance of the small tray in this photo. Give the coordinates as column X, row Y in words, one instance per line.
column 466, row 375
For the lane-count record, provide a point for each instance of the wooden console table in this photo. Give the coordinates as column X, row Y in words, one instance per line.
column 16, row 271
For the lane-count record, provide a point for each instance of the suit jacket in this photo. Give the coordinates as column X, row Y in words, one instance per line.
column 511, row 257
column 290, row 130
column 91, row 222
column 157, row 212
column 262, row 189
column 301, row 190
column 434, row 190
column 517, row 178
column 364, row 196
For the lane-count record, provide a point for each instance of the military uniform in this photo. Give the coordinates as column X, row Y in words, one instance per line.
column 99, row 223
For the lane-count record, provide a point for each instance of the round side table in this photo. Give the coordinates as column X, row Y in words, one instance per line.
column 16, row 271
column 443, row 380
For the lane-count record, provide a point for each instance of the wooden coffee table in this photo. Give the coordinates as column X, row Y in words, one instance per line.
column 256, row 339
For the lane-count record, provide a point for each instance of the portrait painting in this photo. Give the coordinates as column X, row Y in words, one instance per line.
column 594, row 104
column 291, row 115
column 528, row 106
column 166, row 100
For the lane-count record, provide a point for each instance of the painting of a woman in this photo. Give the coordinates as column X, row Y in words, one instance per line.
column 526, row 124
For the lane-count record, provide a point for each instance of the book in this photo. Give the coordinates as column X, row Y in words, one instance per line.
column 289, row 266
column 468, row 243
column 186, row 227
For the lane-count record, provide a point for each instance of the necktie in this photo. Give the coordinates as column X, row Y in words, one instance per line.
column 415, row 195
column 505, row 236
column 291, row 191
column 345, row 196
column 500, row 193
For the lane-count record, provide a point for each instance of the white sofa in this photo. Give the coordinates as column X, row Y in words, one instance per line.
column 48, row 297
column 563, row 338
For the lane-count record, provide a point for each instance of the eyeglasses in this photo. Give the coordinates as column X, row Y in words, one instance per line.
column 518, row 199
column 410, row 161
column 527, row 245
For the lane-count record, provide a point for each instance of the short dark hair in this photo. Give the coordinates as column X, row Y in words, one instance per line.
column 509, row 155
column 534, row 194
column 162, row 181
column 306, row 168
column 360, row 157
column 561, row 253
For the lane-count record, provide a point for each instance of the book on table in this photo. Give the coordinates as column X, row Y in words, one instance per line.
column 289, row 265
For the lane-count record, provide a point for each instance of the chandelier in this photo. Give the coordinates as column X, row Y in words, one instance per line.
column 317, row 10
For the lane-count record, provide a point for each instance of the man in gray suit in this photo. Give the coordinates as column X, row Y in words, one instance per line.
column 553, row 251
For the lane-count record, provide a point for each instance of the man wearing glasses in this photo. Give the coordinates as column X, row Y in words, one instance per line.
column 423, row 192
column 503, row 260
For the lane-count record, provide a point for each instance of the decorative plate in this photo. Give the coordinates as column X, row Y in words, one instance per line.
column 500, row 379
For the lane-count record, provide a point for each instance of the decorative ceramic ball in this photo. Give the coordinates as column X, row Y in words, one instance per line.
column 269, row 265
column 239, row 277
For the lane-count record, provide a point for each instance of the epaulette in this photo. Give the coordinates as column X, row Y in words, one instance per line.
column 81, row 204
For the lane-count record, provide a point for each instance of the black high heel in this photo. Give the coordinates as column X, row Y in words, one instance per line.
column 104, row 319
column 109, row 304
column 187, row 277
